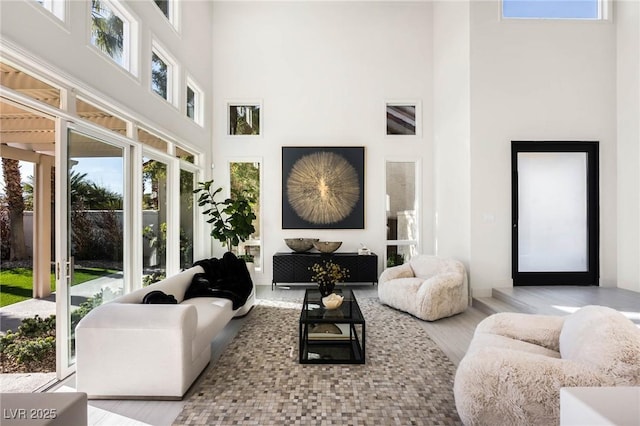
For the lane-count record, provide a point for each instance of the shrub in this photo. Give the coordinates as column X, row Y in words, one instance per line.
column 32, row 348
column 27, row 351
column 38, row 327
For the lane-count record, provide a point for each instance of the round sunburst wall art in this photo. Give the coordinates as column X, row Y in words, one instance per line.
column 322, row 188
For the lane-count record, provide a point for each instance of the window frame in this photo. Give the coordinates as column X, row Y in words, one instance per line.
column 260, row 241
column 416, row 242
column 131, row 36
column 57, row 8
column 172, row 72
column 174, row 13
column 198, row 104
column 244, row 103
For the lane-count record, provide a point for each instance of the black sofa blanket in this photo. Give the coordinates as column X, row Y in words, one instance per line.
column 228, row 278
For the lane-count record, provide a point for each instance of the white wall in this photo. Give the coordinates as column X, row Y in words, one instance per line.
column 535, row 80
column 324, row 71
column 628, row 109
column 452, row 129
column 65, row 47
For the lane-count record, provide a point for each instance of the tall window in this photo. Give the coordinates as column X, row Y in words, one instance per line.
column 159, row 81
column 154, row 216
column 162, row 74
column 187, row 217
column 111, row 31
column 245, row 181
column 194, row 102
column 554, row 9
column 191, row 103
column 402, row 211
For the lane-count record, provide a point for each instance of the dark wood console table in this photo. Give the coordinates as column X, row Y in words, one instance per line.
column 294, row 267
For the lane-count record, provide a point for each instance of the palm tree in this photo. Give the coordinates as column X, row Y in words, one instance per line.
column 107, row 30
column 90, row 195
column 15, row 206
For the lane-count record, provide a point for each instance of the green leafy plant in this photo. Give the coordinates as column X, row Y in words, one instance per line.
column 246, row 257
column 26, row 351
column 37, row 326
column 232, row 218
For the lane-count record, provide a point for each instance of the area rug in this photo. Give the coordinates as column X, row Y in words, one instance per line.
column 407, row 379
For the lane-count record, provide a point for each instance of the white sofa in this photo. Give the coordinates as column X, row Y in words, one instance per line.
column 516, row 364
column 428, row 287
column 126, row 349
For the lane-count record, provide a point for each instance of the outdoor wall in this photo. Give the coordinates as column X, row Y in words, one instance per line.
column 628, row 110
column 323, row 71
column 536, row 80
column 65, row 47
column 149, row 218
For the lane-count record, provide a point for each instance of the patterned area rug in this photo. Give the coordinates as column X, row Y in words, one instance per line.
column 406, row 380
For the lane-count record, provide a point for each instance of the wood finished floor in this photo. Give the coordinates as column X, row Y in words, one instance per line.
column 452, row 335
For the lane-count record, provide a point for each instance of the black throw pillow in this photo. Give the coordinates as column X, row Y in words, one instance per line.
column 157, row 297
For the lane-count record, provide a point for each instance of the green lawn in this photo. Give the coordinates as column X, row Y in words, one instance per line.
column 16, row 284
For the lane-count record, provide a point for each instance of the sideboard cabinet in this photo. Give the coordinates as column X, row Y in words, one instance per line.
column 296, row 267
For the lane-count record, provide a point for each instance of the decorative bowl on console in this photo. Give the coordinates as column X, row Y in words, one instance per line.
column 327, row 246
column 300, row 244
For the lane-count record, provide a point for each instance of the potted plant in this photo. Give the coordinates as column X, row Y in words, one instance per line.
column 327, row 274
column 231, row 218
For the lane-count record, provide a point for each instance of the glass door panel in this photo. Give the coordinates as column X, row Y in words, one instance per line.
column 552, row 211
column 154, row 220
column 555, row 213
column 95, row 233
column 187, row 211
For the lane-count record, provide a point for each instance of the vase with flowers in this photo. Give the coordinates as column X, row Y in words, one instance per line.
column 327, row 274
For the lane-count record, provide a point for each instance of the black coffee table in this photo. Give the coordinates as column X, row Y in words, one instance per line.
column 331, row 336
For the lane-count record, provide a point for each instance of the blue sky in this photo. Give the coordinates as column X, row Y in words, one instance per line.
column 105, row 172
column 555, row 9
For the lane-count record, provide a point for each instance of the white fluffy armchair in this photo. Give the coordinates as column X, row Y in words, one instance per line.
column 428, row 287
column 516, row 364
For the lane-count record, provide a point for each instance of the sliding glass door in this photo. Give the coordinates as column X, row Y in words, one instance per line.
column 91, row 231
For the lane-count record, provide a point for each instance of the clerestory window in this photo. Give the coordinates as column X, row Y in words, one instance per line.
column 56, row 7
column 163, row 74
column 194, row 102
column 554, row 9
column 112, row 31
column 169, row 8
